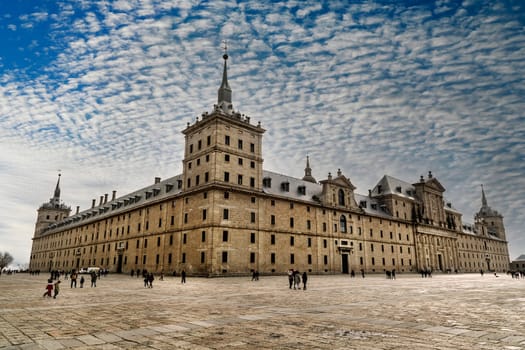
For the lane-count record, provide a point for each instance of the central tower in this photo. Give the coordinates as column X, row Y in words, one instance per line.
column 223, row 147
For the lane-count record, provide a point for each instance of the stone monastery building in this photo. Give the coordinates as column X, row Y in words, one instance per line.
column 225, row 215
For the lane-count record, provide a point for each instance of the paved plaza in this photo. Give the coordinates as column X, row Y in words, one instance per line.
column 464, row 311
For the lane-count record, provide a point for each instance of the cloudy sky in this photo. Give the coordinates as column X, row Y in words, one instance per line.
column 101, row 91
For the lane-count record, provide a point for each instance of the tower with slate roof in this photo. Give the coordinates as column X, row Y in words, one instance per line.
column 490, row 219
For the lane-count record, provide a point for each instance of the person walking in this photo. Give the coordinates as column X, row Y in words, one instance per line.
column 49, row 288
column 82, row 280
column 150, row 280
column 297, row 280
column 73, row 279
column 183, row 277
column 290, row 277
column 57, row 289
column 305, row 278
column 93, row 279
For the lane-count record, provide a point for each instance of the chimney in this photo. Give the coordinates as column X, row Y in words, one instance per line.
column 157, row 180
column 105, row 198
column 93, row 203
column 114, row 195
column 101, row 200
column 78, row 209
column 369, row 193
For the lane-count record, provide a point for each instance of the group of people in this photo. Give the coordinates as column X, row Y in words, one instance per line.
column 73, row 277
column 294, row 279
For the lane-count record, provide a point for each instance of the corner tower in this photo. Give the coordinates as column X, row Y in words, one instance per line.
column 52, row 211
column 490, row 219
column 223, row 147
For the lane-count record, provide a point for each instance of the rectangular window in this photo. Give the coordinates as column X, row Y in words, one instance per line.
column 252, row 258
column 292, row 259
column 172, row 220
column 272, row 219
column 272, row 239
column 325, row 243
column 204, row 214
column 225, row 236
column 252, row 164
column 225, row 214
column 226, row 176
column 325, row 258
column 206, row 177
column 224, row 257
column 157, row 259
column 252, row 217
column 146, row 243
column 308, row 225
column 138, row 242
column 252, row 182
column 208, row 140
column 309, row 259
column 239, row 179
column 227, row 140
column 252, row 147
column 197, row 180
column 309, row 242
column 291, row 222
column 252, row 237
column 239, row 144
column 272, row 258
column 292, row 241
column 199, row 144
column 203, row 257
column 203, row 236
column 158, row 241
column 183, row 258
column 185, row 218
column 169, row 258
column 226, row 157
column 171, row 239
column 240, row 161
column 226, row 195
column 184, row 237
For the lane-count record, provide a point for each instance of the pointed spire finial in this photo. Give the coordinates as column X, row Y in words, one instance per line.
column 225, row 92
column 308, row 171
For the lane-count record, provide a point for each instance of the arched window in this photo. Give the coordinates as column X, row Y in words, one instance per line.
column 341, row 197
column 342, row 223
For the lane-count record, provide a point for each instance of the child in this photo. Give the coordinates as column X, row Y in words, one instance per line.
column 49, row 288
column 57, row 284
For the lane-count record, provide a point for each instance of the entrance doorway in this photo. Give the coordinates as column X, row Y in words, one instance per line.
column 119, row 264
column 440, row 262
column 344, row 263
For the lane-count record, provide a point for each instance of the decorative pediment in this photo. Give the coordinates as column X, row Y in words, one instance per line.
column 435, row 185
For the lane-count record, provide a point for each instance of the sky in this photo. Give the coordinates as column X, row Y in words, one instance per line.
column 101, row 90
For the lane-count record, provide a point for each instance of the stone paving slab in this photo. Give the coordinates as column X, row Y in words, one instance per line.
column 464, row 311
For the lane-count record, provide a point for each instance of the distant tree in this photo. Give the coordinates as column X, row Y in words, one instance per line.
column 5, row 259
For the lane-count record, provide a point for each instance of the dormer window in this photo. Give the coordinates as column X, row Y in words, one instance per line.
column 285, row 186
column 301, row 190
column 398, row 189
column 267, row 182
column 362, row 204
column 169, row 187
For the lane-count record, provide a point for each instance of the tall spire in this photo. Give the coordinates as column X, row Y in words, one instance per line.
column 308, row 172
column 483, row 198
column 56, row 196
column 225, row 92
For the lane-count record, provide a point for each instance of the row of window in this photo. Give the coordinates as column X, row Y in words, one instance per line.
column 227, row 141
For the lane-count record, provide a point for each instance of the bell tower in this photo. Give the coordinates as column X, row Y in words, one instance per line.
column 223, row 147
